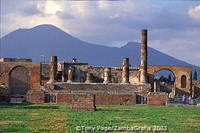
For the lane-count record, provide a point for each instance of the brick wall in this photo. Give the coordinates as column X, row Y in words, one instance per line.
column 106, row 94
column 100, row 99
column 4, row 94
column 83, row 102
column 157, row 98
column 33, row 69
column 115, row 99
column 64, row 98
column 35, row 96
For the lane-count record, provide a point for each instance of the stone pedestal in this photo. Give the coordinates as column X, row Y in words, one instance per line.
column 125, row 70
column 143, row 65
column 70, row 74
column 107, row 75
column 83, row 102
column 89, row 78
column 157, row 98
column 53, row 69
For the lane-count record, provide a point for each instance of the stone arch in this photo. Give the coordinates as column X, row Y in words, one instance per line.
column 178, row 71
column 174, row 74
column 183, row 81
column 19, row 80
column 164, row 86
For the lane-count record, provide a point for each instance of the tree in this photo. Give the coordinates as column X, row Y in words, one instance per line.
column 169, row 78
column 195, row 75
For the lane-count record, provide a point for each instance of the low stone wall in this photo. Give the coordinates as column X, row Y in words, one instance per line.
column 4, row 94
column 64, row 98
column 35, row 96
column 106, row 94
column 111, row 88
column 83, row 102
column 101, row 99
column 157, row 98
column 115, row 99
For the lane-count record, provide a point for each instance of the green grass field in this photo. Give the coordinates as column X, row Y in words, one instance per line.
column 21, row 118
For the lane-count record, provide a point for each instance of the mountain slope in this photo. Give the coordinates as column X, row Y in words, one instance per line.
column 48, row 40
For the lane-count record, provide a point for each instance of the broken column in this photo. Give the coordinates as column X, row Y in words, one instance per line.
column 107, row 75
column 156, row 86
column 125, row 70
column 143, row 65
column 70, row 74
column 64, row 72
column 53, row 69
column 89, row 78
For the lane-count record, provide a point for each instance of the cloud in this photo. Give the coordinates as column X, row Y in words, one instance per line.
column 195, row 12
column 49, row 7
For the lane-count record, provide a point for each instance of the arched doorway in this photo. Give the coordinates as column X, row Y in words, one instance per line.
column 19, row 80
column 164, row 80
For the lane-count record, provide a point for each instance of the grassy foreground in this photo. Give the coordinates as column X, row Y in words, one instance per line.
column 37, row 118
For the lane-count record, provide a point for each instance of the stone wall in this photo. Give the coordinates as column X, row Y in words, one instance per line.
column 45, row 69
column 157, row 98
column 178, row 72
column 196, row 88
column 116, row 73
column 4, row 94
column 111, row 88
column 33, row 69
column 15, row 60
column 97, row 71
column 83, row 102
column 64, row 98
column 101, row 99
column 115, row 99
column 106, row 94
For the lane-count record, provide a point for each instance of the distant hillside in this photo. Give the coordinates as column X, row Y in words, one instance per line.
column 49, row 40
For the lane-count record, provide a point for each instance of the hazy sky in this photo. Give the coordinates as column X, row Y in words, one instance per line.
column 174, row 25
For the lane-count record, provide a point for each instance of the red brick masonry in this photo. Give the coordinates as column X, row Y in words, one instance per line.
column 101, row 99
column 83, row 102
column 157, row 98
column 35, row 96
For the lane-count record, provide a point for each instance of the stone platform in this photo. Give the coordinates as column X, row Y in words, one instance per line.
column 105, row 94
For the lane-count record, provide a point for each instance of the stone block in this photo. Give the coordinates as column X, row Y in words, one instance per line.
column 83, row 102
column 157, row 98
column 35, row 96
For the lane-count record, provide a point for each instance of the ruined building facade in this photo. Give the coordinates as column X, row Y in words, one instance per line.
column 59, row 81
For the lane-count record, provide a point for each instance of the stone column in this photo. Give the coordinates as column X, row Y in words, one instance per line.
column 64, row 72
column 107, row 75
column 125, row 70
column 155, row 86
column 89, row 78
column 70, row 74
column 143, row 65
column 53, row 69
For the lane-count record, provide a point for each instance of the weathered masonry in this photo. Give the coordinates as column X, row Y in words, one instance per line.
column 183, row 79
column 59, row 82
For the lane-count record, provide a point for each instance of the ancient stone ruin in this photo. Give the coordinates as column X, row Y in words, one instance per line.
column 61, row 82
